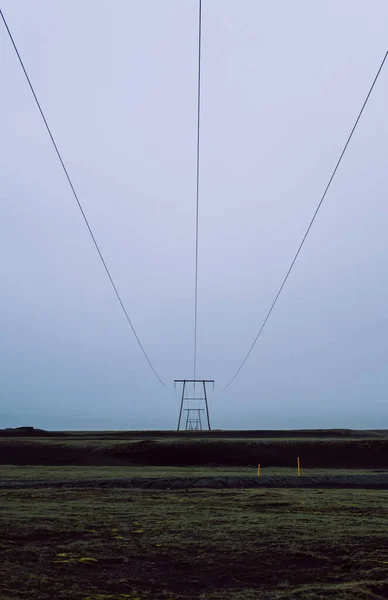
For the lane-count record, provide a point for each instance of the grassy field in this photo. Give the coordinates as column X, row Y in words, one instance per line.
column 233, row 544
column 100, row 543
column 44, row 472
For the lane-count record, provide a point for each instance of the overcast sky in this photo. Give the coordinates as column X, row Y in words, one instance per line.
column 282, row 85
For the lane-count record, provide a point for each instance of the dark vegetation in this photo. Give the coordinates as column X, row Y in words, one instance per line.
column 342, row 449
column 79, row 535
column 227, row 545
column 215, row 433
column 371, row 481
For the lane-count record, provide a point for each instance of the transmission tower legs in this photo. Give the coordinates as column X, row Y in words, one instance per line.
column 194, row 405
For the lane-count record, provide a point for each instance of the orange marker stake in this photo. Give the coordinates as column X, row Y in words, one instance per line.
column 298, row 467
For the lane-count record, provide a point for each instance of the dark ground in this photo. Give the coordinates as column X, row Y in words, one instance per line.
column 264, row 544
column 225, row 537
column 372, row 482
column 339, row 449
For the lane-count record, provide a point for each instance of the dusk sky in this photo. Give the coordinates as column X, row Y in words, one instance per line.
column 282, row 84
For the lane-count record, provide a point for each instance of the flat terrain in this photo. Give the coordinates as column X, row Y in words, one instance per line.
column 30, row 473
column 162, row 515
column 319, row 449
column 230, row 544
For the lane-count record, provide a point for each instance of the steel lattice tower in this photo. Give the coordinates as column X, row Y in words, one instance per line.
column 195, row 406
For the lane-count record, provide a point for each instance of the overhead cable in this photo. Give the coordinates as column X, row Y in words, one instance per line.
column 79, row 203
column 309, row 227
column 197, row 188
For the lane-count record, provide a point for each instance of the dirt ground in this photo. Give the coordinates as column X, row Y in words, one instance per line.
column 328, row 481
column 264, row 544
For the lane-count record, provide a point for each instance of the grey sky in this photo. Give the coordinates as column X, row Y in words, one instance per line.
column 282, row 84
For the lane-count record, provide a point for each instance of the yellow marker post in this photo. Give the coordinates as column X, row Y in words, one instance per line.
column 298, row 467
column 258, row 470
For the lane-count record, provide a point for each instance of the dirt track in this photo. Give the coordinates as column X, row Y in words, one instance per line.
column 164, row 483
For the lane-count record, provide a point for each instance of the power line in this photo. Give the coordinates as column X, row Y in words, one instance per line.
column 310, row 225
column 198, row 165
column 79, row 203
